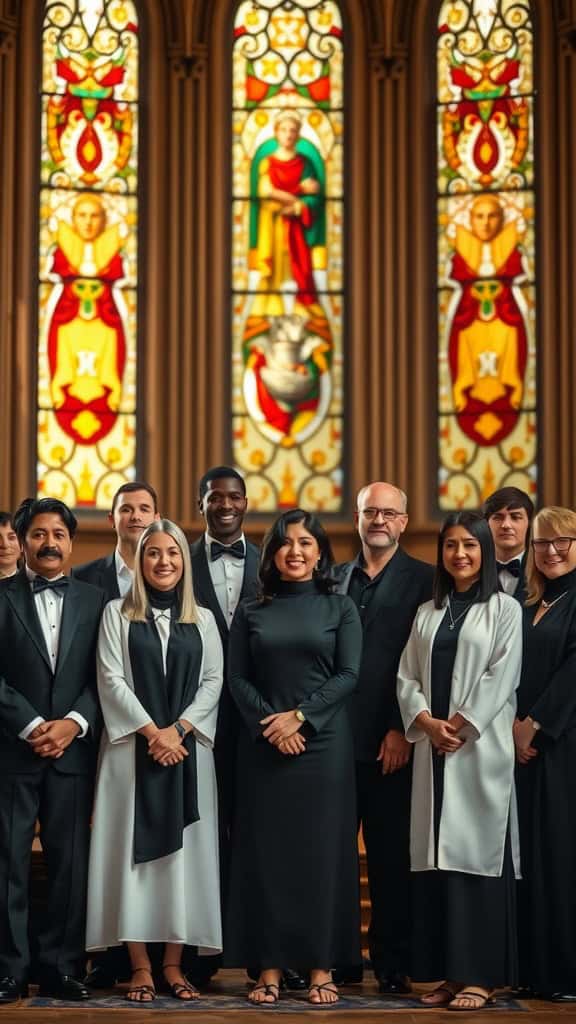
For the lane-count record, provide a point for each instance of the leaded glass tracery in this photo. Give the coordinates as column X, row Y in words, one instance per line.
column 486, row 250
column 87, row 304
column 288, row 252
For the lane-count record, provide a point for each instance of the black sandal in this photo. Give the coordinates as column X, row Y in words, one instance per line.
column 271, row 989
column 483, row 999
column 178, row 988
column 141, row 990
column 330, row 986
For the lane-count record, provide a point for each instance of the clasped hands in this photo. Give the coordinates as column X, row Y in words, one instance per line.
column 282, row 731
column 523, row 731
column 442, row 733
column 50, row 739
column 164, row 745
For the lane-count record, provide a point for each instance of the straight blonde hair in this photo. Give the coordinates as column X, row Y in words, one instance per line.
column 560, row 522
column 136, row 606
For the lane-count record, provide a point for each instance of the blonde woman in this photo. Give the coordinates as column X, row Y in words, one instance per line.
column 154, row 856
column 545, row 737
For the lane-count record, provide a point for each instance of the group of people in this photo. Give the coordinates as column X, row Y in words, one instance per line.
column 201, row 730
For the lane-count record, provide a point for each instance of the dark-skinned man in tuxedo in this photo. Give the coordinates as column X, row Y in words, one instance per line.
column 49, row 725
column 387, row 586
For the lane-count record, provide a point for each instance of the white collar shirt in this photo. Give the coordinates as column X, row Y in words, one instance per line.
column 508, row 582
column 124, row 575
column 227, row 575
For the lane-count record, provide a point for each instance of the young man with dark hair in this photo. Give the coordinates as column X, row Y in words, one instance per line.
column 49, row 737
column 134, row 507
column 10, row 549
column 509, row 512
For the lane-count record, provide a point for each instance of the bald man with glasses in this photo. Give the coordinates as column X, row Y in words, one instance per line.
column 387, row 586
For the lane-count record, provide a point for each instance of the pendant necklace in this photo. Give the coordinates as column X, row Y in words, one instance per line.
column 453, row 620
column 550, row 604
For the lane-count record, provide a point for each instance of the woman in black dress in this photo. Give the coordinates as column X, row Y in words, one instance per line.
column 456, row 690
column 545, row 736
column 294, row 658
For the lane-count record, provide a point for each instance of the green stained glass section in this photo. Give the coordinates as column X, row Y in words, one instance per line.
column 287, row 224
column 88, row 273
column 487, row 370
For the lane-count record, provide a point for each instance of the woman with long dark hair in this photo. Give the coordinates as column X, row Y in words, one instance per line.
column 545, row 736
column 294, row 658
column 456, row 688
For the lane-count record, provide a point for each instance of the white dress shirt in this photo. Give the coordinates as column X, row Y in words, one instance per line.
column 124, row 575
column 49, row 604
column 508, row 582
column 227, row 575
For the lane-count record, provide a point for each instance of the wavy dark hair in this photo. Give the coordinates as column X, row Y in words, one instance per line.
column 32, row 507
column 477, row 526
column 268, row 574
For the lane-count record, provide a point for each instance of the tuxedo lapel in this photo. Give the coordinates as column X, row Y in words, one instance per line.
column 70, row 617
column 250, row 571
column 19, row 594
column 204, row 588
column 110, row 579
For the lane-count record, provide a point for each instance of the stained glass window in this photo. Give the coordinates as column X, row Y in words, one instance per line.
column 87, row 235
column 486, row 250
column 288, row 252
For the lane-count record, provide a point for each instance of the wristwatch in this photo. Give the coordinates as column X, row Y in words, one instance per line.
column 300, row 715
column 535, row 725
column 180, row 730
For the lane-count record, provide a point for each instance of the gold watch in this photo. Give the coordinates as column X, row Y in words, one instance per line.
column 300, row 715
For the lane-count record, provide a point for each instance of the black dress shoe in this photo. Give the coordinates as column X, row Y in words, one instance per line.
column 394, row 984
column 293, row 980
column 347, row 975
column 522, row 992
column 100, row 977
column 11, row 990
column 63, row 986
column 561, row 997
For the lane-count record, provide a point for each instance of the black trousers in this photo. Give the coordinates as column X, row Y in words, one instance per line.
column 63, row 806
column 384, row 813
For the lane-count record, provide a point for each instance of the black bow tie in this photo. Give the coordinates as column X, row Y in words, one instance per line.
column 41, row 583
column 217, row 549
column 514, row 567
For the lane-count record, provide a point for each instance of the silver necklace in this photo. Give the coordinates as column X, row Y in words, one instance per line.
column 550, row 604
column 453, row 620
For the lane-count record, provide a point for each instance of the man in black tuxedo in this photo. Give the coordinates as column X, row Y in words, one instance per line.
column 509, row 512
column 387, row 586
column 134, row 507
column 49, row 736
column 224, row 572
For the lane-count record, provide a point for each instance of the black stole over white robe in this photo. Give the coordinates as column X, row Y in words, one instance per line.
column 166, row 799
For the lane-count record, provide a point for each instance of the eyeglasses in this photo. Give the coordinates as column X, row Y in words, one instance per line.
column 388, row 514
column 561, row 545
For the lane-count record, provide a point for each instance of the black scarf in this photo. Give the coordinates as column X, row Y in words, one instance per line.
column 166, row 799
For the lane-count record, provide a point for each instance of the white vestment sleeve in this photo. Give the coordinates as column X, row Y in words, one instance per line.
column 202, row 713
column 122, row 711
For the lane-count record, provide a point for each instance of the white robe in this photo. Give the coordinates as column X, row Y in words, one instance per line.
column 175, row 898
column 479, row 798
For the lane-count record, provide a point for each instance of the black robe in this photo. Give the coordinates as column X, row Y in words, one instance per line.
column 294, row 881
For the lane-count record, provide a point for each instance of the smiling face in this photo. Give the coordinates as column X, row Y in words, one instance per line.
column 47, row 545
column 461, row 557
column 133, row 512
column 509, row 527
column 224, row 507
column 548, row 560
column 9, row 550
column 298, row 556
column 162, row 562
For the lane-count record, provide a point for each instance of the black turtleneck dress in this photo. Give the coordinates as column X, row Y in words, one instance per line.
column 547, row 794
column 294, row 895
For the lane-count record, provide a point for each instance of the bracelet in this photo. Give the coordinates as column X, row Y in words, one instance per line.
column 180, row 730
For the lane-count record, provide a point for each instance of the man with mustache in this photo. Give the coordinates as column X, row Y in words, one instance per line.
column 48, row 742
column 509, row 512
column 387, row 586
column 134, row 507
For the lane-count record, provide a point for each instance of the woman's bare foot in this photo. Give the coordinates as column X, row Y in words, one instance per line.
column 442, row 994
column 267, row 988
column 473, row 997
column 322, row 988
column 180, row 987
column 141, row 988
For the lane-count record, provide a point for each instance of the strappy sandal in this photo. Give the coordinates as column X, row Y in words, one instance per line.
column 328, row 986
column 178, row 988
column 446, row 992
column 141, row 993
column 271, row 989
column 484, row 999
